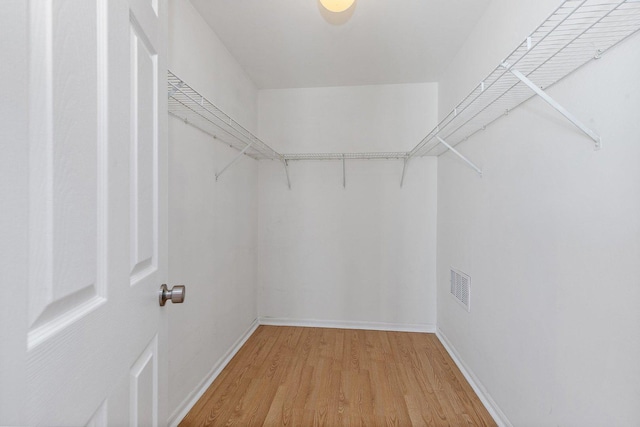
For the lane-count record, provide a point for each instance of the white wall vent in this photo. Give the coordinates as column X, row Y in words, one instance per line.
column 461, row 288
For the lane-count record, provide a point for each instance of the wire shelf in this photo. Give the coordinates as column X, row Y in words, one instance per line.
column 188, row 105
column 348, row 156
column 577, row 32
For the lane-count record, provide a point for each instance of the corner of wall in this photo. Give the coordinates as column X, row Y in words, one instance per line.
column 491, row 405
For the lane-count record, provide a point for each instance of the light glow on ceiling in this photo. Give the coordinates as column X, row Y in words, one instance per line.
column 337, row 6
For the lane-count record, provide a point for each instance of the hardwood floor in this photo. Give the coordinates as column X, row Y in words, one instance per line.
column 294, row 376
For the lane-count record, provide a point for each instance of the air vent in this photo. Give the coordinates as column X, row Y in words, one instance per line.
column 461, row 288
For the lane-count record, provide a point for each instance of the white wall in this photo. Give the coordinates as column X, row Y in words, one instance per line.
column 551, row 238
column 364, row 254
column 212, row 226
column 347, row 118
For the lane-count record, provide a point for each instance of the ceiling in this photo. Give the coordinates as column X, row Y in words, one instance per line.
column 293, row 43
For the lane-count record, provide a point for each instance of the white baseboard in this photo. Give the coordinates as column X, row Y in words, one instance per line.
column 494, row 410
column 190, row 401
column 347, row 324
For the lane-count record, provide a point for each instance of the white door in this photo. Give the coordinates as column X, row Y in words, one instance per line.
column 86, row 237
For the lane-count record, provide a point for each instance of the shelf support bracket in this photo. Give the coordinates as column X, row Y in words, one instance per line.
column 404, row 169
column 234, row 160
column 457, row 153
column 344, row 173
column 549, row 100
column 286, row 170
column 175, row 88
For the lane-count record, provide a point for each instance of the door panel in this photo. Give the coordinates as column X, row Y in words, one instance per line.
column 143, row 388
column 67, row 219
column 67, row 155
column 144, row 116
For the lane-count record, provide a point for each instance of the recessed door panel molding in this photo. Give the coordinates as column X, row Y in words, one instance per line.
column 100, row 418
column 144, row 152
column 68, row 186
column 143, row 387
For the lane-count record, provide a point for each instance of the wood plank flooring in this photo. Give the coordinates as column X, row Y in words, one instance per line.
column 294, row 376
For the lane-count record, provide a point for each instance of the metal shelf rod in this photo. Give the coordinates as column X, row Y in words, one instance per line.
column 457, row 153
column 347, row 156
column 235, row 159
column 186, row 120
column 344, row 173
column 404, row 169
column 286, row 170
column 549, row 100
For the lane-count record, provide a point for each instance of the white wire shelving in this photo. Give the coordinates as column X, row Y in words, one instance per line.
column 188, row 105
column 577, row 32
column 399, row 155
column 191, row 107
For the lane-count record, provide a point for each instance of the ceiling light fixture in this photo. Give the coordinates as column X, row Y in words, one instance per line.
column 337, row 6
